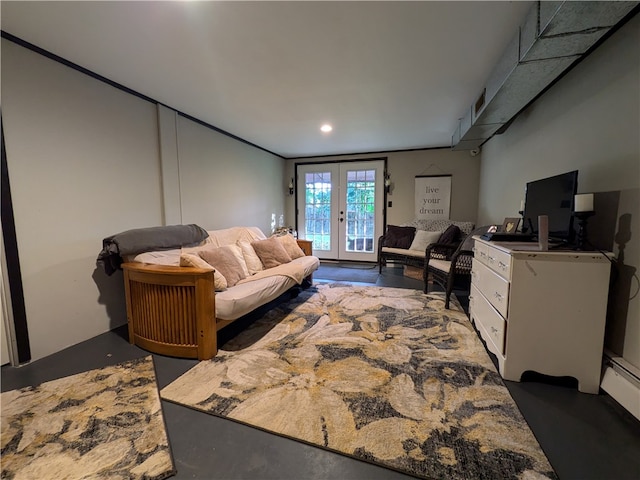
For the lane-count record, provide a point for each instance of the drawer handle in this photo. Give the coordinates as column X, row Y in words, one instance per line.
column 502, row 265
column 492, row 259
column 494, row 330
column 498, row 296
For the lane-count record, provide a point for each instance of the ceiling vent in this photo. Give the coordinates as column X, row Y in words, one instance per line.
column 553, row 37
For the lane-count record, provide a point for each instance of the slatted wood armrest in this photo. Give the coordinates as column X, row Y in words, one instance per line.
column 171, row 310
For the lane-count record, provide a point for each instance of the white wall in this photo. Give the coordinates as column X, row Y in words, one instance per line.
column 589, row 121
column 403, row 167
column 224, row 182
column 85, row 162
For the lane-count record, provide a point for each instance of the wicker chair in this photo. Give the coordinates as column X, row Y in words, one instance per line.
column 449, row 265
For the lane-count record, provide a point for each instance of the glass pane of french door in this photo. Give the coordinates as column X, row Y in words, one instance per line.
column 359, row 223
column 317, row 223
column 340, row 208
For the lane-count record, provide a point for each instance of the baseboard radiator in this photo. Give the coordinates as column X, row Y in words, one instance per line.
column 621, row 380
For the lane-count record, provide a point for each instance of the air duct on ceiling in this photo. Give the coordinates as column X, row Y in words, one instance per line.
column 553, row 36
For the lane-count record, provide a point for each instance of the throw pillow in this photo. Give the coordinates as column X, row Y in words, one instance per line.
column 224, row 259
column 271, row 252
column 233, row 248
column 450, row 235
column 191, row 260
column 237, row 251
column 399, row 237
column 251, row 258
column 291, row 246
column 423, row 239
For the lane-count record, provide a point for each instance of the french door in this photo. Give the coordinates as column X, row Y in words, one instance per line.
column 341, row 208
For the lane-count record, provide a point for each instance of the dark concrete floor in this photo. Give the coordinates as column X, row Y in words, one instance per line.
column 584, row 436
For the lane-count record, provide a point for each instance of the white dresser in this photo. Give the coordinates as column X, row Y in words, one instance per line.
column 541, row 311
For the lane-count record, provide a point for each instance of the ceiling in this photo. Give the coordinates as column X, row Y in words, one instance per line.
column 387, row 75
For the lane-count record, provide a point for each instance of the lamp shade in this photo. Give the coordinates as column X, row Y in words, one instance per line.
column 584, row 202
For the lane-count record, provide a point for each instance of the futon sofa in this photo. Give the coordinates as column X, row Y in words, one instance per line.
column 178, row 298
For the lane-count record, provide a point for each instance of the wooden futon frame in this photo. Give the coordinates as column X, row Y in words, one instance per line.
column 171, row 310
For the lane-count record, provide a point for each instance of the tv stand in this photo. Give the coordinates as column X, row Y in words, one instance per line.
column 541, row 311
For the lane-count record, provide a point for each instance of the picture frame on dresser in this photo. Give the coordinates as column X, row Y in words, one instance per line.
column 510, row 225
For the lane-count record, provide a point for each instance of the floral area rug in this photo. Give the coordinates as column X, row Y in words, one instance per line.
column 101, row 424
column 384, row 375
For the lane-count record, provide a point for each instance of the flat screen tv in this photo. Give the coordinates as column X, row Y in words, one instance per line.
column 554, row 197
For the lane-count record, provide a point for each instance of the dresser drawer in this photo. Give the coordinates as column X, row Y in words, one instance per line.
column 489, row 322
column 499, row 262
column 480, row 252
column 494, row 287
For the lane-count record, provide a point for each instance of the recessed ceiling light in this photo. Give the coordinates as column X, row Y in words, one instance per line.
column 326, row 128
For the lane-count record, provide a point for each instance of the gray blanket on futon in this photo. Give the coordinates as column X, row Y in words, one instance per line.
column 138, row 240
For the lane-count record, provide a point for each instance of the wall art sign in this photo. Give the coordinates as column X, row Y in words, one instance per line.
column 433, row 197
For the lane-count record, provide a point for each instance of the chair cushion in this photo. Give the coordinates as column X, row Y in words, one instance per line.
column 403, row 252
column 442, row 265
column 423, row 239
column 399, row 237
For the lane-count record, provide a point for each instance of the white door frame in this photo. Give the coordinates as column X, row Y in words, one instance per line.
column 337, row 249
